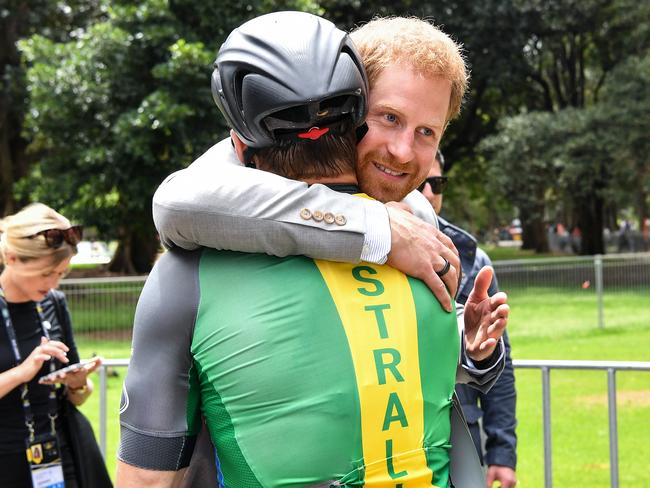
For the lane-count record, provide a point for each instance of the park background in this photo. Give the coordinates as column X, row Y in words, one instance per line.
column 100, row 100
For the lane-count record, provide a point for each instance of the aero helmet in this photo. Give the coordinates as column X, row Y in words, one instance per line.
column 289, row 76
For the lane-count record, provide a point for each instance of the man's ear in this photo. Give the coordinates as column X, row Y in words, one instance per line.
column 240, row 147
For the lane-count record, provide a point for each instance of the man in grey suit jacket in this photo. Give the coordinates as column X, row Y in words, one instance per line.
column 231, row 207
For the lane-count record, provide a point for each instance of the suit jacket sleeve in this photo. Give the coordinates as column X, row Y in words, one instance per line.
column 218, row 203
column 483, row 377
column 499, row 421
column 500, row 402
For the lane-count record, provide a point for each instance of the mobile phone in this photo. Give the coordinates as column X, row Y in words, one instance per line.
column 68, row 369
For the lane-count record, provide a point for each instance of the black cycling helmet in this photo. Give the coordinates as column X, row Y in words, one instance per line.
column 289, row 75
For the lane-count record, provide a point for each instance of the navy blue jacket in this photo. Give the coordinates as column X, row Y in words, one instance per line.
column 497, row 407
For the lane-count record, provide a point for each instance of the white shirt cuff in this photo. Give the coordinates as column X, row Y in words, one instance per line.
column 377, row 239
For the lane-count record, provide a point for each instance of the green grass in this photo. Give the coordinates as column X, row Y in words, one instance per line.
column 545, row 324
column 103, row 306
column 109, row 350
column 544, row 312
column 118, row 316
column 86, row 266
column 497, row 253
column 562, row 324
column 91, row 410
column 580, row 428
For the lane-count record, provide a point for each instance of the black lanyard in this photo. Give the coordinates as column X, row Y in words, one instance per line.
column 24, row 390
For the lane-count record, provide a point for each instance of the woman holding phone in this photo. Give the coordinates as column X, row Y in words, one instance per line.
column 36, row 246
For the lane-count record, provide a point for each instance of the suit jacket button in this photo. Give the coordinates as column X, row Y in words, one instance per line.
column 328, row 218
column 340, row 219
column 317, row 215
column 305, row 213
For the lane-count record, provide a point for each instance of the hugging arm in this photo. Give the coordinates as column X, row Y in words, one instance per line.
column 499, row 420
column 218, row 203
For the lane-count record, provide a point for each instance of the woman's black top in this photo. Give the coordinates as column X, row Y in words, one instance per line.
column 26, row 322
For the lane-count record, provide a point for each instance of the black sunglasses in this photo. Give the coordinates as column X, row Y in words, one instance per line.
column 54, row 237
column 438, row 184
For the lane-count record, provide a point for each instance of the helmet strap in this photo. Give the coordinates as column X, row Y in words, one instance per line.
column 249, row 154
column 361, row 131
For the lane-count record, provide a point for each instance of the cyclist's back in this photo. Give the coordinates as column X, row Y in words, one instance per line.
column 305, row 371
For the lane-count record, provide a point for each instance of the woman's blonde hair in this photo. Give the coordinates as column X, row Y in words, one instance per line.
column 415, row 43
column 18, row 234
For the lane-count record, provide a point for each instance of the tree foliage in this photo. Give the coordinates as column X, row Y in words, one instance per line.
column 575, row 53
column 20, row 19
column 579, row 160
column 621, row 116
column 121, row 129
column 116, row 97
column 119, row 107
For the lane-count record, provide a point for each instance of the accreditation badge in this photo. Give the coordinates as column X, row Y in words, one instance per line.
column 44, row 460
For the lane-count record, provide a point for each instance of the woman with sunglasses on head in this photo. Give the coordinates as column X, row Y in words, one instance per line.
column 36, row 246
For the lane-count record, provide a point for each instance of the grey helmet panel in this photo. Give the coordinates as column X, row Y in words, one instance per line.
column 288, row 60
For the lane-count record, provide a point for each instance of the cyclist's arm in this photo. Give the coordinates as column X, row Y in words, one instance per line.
column 133, row 477
column 159, row 414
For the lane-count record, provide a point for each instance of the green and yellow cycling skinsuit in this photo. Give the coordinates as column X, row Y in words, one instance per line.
column 307, row 373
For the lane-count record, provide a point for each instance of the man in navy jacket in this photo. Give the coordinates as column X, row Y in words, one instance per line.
column 497, row 407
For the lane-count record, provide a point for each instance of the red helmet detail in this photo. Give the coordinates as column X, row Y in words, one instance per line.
column 313, row 133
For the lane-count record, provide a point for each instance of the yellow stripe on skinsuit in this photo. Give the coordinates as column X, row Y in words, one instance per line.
column 378, row 313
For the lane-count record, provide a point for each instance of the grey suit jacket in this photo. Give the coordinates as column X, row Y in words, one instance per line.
column 217, row 202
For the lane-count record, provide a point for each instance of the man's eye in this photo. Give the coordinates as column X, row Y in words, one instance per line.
column 391, row 117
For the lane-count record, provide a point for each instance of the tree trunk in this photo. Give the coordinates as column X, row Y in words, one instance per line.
column 136, row 252
column 533, row 230
column 610, row 212
column 528, row 236
column 13, row 161
column 642, row 204
column 121, row 262
column 144, row 249
column 642, row 197
column 534, row 235
column 6, row 168
column 591, row 226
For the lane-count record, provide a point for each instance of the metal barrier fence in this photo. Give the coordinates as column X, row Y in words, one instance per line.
column 103, row 308
column 544, row 365
column 612, row 272
column 611, row 367
column 579, row 279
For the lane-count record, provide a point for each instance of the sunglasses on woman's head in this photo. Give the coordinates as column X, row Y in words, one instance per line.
column 438, row 184
column 54, row 237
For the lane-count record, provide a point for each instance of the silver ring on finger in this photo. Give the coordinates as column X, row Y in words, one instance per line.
column 444, row 269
